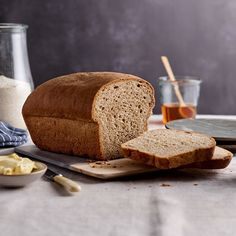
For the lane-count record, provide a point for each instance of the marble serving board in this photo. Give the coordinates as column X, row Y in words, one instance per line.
column 224, row 131
column 99, row 169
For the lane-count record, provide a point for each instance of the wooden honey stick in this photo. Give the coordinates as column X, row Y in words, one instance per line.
column 188, row 112
column 171, row 76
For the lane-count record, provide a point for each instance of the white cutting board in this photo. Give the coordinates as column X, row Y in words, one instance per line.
column 103, row 170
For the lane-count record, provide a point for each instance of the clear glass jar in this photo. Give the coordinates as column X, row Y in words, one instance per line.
column 15, row 76
column 179, row 99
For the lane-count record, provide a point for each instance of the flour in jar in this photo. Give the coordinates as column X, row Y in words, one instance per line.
column 13, row 94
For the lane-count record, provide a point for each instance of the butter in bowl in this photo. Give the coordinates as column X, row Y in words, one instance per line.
column 16, row 171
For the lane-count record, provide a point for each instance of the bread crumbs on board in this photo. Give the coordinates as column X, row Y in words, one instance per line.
column 165, row 185
column 103, row 164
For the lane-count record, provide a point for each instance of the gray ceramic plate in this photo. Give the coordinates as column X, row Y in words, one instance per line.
column 221, row 130
column 23, row 180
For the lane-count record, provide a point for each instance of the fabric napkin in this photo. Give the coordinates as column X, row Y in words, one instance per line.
column 11, row 136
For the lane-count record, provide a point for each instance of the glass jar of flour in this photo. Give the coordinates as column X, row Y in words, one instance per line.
column 15, row 76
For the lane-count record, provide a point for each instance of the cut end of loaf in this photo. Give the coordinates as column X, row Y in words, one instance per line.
column 168, row 149
column 122, row 110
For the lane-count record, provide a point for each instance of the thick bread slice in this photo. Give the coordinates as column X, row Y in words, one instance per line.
column 166, row 149
column 89, row 114
column 221, row 159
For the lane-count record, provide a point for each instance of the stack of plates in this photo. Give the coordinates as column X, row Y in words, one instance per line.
column 224, row 131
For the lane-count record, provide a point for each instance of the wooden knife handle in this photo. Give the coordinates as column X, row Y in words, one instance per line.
column 69, row 184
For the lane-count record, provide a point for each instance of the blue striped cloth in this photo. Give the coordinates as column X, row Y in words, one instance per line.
column 10, row 136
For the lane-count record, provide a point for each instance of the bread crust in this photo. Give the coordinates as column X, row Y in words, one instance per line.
column 59, row 135
column 220, row 160
column 79, row 92
column 169, row 163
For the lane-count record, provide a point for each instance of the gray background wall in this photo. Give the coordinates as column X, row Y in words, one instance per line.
column 199, row 37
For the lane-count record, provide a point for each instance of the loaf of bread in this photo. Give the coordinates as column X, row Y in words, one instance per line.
column 166, row 149
column 89, row 114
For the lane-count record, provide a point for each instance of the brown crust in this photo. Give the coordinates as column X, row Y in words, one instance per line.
column 220, row 160
column 169, row 163
column 78, row 97
column 61, row 136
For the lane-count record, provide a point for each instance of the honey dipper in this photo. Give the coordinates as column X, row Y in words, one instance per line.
column 187, row 112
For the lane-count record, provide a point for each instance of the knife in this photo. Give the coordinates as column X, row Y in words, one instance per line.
column 67, row 183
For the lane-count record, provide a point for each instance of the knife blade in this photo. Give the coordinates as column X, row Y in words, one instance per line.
column 67, row 183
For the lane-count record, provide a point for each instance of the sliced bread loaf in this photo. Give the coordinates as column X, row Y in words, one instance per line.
column 89, row 113
column 166, row 149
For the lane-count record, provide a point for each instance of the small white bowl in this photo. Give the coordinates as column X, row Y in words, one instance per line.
column 23, row 180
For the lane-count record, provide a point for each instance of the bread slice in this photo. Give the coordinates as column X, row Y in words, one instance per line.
column 221, row 159
column 166, row 149
column 89, row 114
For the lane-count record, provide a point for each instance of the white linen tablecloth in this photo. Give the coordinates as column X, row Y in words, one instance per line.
column 175, row 203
